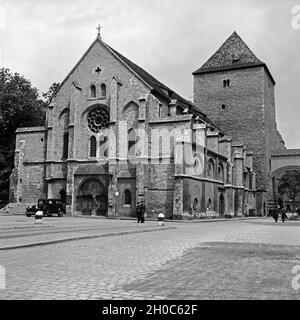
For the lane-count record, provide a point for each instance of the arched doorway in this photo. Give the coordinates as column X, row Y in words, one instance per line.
column 221, row 205
column 92, row 198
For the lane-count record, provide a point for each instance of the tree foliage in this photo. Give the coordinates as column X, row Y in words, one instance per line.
column 289, row 184
column 49, row 94
column 20, row 106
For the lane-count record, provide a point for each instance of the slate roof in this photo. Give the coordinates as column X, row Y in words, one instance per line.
column 157, row 86
column 233, row 54
column 161, row 89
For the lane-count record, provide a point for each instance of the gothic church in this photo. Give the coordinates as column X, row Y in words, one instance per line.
column 103, row 146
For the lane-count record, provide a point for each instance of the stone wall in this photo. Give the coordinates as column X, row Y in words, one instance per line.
column 27, row 180
column 242, row 116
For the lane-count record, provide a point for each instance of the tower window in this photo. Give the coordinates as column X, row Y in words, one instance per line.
column 226, row 83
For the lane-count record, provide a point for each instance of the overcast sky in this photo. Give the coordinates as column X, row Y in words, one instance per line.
column 43, row 40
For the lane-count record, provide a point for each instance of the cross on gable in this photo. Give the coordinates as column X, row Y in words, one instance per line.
column 99, row 30
column 98, row 70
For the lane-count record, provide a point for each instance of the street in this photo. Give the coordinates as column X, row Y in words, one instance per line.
column 234, row 259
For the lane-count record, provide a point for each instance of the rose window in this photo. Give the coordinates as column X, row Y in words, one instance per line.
column 98, row 119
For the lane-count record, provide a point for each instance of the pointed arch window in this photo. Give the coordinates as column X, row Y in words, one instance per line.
column 209, row 204
column 210, row 169
column 103, row 90
column 93, row 91
column 131, row 142
column 65, row 146
column 221, row 172
column 93, row 146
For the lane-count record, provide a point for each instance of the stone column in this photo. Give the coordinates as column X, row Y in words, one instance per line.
column 75, row 96
column 199, row 137
column 49, row 145
column 178, row 198
column 238, row 178
column 113, row 152
column 142, row 157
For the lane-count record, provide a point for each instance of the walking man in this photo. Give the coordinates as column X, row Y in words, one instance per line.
column 142, row 210
column 138, row 212
column 275, row 214
column 283, row 215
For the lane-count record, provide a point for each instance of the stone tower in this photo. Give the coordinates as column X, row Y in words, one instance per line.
column 236, row 90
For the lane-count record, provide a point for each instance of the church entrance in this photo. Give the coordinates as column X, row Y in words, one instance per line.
column 92, row 198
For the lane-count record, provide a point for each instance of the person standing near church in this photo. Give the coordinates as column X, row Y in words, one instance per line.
column 283, row 215
column 138, row 212
column 142, row 210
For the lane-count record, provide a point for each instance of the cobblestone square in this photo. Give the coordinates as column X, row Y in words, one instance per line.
column 234, row 259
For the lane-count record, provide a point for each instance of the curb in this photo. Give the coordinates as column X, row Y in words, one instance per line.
column 172, row 220
column 111, row 234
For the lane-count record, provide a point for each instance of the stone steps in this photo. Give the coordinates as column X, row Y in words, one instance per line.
column 16, row 208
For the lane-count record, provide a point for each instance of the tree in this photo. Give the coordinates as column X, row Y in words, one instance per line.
column 49, row 94
column 20, row 106
column 289, row 184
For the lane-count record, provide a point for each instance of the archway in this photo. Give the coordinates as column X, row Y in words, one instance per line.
column 221, row 205
column 92, row 198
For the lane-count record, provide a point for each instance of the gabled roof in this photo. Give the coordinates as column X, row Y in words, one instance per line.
column 157, row 88
column 233, row 54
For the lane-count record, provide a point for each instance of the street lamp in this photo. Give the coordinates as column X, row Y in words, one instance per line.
column 116, row 205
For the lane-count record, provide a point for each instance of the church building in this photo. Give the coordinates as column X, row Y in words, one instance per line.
column 114, row 135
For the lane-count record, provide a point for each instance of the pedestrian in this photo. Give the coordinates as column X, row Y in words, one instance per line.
column 138, row 212
column 275, row 214
column 142, row 210
column 283, row 215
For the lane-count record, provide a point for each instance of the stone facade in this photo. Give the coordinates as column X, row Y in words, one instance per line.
column 114, row 135
column 236, row 90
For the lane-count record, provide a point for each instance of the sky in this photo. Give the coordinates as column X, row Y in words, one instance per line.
column 42, row 40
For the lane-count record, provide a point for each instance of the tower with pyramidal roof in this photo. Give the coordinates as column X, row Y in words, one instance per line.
column 236, row 90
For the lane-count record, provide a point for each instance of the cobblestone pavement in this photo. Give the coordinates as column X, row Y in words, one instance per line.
column 22, row 231
column 247, row 259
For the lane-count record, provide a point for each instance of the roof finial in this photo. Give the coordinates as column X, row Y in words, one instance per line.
column 99, row 30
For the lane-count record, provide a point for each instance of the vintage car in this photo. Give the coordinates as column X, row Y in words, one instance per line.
column 48, row 206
